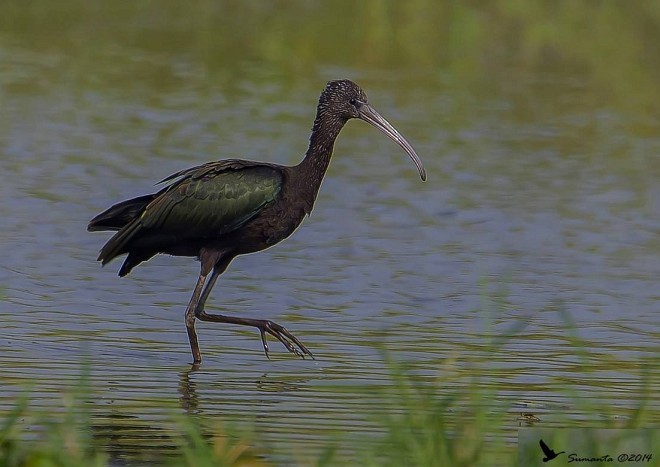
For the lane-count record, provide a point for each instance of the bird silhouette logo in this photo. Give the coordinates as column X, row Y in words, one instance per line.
column 549, row 453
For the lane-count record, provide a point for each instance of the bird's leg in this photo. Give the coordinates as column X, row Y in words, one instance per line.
column 264, row 326
column 210, row 260
column 190, row 319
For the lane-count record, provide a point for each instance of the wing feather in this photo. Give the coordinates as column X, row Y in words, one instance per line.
column 210, row 202
column 206, row 201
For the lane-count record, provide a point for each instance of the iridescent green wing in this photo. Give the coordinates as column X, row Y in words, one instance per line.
column 212, row 199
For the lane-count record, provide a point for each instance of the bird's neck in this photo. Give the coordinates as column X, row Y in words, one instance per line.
column 312, row 168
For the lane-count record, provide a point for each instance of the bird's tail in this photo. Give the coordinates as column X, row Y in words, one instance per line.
column 119, row 242
column 125, row 218
column 120, row 215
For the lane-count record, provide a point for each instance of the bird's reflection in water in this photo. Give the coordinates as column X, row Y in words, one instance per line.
column 270, row 384
column 188, row 390
column 266, row 383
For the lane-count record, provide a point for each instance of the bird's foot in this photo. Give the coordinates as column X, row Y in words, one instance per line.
column 284, row 336
column 290, row 341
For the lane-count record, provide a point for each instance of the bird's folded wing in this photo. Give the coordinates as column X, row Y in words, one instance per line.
column 212, row 199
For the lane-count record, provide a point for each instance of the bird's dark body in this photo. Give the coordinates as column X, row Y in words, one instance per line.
column 219, row 210
column 186, row 217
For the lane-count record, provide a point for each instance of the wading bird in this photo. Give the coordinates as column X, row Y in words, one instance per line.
column 219, row 210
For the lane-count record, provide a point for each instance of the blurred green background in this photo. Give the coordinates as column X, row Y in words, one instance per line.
column 608, row 47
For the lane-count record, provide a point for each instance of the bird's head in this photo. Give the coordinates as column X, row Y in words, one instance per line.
column 342, row 100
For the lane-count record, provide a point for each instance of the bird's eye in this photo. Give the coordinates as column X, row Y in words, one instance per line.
column 354, row 102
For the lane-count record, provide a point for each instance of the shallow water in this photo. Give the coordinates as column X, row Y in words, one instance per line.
column 542, row 207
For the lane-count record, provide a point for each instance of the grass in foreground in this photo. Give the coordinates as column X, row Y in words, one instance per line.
column 420, row 421
column 422, row 424
column 421, row 431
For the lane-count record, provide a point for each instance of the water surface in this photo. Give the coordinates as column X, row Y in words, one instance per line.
column 541, row 210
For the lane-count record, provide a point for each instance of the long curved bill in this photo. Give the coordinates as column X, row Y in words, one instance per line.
column 369, row 115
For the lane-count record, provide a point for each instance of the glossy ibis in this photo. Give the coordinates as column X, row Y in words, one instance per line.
column 219, row 210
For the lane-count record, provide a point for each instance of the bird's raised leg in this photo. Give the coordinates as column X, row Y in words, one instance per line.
column 264, row 326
